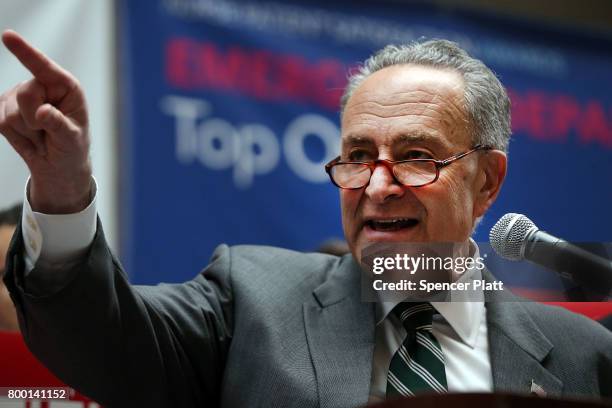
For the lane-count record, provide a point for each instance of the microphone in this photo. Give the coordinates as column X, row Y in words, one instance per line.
column 515, row 237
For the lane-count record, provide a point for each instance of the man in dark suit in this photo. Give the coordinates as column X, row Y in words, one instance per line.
column 425, row 128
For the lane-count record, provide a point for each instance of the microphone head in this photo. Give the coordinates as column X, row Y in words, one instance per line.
column 508, row 235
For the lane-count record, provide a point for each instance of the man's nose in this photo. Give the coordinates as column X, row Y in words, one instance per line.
column 383, row 186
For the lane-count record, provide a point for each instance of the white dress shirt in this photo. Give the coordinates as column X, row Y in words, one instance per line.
column 460, row 327
column 60, row 239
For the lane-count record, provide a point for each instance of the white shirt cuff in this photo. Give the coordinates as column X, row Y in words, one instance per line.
column 55, row 240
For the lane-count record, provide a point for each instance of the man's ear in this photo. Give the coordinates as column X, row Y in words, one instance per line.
column 491, row 175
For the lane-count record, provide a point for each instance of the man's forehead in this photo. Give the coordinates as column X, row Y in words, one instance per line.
column 395, row 90
column 397, row 78
column 417, row 137
column 406, row 104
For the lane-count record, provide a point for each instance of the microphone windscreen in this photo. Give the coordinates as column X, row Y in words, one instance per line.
column 508, row 235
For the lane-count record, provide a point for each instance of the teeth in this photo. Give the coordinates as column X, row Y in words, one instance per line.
column 392, row 224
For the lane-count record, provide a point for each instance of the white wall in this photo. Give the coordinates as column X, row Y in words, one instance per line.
column 79, row 35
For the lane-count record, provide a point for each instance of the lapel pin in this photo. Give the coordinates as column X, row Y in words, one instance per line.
column 537, row 389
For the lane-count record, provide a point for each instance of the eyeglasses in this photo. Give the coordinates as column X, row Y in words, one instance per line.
column 352, row 175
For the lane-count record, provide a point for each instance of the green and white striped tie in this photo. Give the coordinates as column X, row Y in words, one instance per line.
column 418, row 366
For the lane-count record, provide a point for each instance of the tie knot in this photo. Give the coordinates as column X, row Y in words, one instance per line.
column 415, row 316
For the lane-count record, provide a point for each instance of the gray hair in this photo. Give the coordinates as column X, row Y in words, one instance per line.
column 486, row 100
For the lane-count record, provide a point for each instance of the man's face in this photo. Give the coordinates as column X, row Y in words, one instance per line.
column 406, row 112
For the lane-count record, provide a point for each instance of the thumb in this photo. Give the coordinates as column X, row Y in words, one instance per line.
column 52, row 120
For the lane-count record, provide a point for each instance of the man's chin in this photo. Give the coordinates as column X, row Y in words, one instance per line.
column 368, row 238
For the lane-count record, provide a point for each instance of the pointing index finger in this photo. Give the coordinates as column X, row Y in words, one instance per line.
column 42, row 67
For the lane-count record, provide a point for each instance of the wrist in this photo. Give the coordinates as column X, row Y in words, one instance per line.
column 64, row 198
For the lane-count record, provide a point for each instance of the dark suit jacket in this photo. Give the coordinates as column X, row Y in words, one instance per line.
column 263, row 327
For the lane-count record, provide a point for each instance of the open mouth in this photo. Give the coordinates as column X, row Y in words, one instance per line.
column 395, row 224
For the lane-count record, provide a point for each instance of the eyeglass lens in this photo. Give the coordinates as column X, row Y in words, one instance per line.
column 354, row 175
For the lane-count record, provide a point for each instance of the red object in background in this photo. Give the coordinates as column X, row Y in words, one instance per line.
column 594, row 310
column 20, row 369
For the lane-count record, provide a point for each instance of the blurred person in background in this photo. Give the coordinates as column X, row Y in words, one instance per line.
column 9, row 218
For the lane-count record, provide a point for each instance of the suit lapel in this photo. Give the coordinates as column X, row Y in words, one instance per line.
column 517, row 346
column 340, row 334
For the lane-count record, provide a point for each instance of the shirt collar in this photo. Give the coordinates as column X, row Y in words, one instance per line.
column 463, row 316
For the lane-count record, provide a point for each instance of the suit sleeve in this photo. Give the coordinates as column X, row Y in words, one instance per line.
column 126, row 345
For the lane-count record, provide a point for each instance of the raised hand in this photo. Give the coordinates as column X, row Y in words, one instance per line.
column 45, row 120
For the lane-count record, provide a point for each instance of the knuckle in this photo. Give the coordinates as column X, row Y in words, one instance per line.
column 29, row 92
column 69, row 129
column 74, row 85
column 69, row 77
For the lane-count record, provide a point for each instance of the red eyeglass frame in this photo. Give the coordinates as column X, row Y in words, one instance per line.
column 389, row 164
